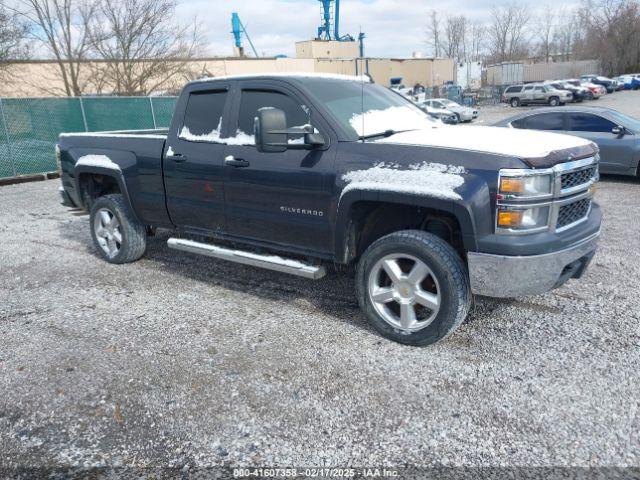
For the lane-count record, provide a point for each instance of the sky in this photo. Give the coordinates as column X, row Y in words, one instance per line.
column 393, row 28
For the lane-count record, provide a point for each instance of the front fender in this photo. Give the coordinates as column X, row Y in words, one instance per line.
column 471, row 210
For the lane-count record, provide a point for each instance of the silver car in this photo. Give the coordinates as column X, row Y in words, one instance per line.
column 534, row 93
column 464, row 114
column 617, row 135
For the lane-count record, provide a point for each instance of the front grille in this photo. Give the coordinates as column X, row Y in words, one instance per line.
column 573, row 212
column 578, row 177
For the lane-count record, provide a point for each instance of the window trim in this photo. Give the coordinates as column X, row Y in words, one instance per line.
column 570, row 124
column 181, row 106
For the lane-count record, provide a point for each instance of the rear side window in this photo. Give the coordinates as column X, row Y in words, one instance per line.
column 521, row 123
column 203, row 116
column 546, row 121
column 254, row 100
column 529, row 88
column 514, row 90
column 585, row 122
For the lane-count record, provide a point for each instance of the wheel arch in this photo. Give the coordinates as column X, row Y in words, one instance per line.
column 360, row 214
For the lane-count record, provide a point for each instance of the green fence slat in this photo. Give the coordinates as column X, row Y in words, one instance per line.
column 118, row 113
column 34, row 124
column 163, row 108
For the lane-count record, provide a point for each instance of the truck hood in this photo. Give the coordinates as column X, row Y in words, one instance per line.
column 537, row 149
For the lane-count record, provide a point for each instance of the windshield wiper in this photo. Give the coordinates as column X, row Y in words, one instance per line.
column 385, row 134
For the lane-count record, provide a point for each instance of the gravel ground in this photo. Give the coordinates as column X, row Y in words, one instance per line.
column 182, row 361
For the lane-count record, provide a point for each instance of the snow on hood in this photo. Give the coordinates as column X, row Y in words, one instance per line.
column 396, row 118
column 495, row 140
column 431, row 179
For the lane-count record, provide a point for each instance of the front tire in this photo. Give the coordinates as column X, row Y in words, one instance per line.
column 515, row 102
column 117, row 235
column 413, row 287
column 554, row 101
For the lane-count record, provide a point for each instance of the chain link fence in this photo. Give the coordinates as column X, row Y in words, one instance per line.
column 29, row 127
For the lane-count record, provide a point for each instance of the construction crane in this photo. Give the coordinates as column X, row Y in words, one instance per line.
column 237, row 30
column 329, row 29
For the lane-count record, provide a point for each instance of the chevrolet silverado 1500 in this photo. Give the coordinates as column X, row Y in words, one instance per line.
column 296, row 172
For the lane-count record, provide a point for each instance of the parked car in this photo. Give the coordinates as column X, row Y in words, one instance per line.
column 630, row 82
column 609, row 84
column 443, row 114
column 294, row 172
column 465, row 114
column 596, row 90
column 535, row 93
column 579, row 93
column 617, row 135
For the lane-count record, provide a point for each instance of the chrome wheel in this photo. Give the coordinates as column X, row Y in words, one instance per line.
column 108, row 234
column 404, row 292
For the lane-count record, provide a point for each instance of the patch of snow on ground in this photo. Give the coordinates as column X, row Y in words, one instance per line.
column 97, row 161
column 431, row 179
column 394, row 118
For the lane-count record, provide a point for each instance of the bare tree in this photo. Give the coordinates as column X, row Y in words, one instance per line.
column 545, row 30
column 613, row 33
column 569, row 35
column 141, row 50
column 476, row 39
column 507, row 36
column 433, row 34
column 13, row 35
column 455, row 37
column 61, row 26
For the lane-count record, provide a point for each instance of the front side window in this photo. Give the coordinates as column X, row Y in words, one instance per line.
column 540, row 89
column 546, row 121
column 585, row 122
column 203, row 116
column 253, row 100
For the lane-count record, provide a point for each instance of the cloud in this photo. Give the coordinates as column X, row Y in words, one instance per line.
column 393, row 28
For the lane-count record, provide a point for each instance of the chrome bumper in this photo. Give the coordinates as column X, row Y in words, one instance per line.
column 507, row 277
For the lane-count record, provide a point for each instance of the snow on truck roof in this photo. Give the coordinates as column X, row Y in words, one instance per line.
column 294, row 75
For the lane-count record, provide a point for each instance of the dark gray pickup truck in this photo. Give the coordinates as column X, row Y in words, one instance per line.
column 294, row 172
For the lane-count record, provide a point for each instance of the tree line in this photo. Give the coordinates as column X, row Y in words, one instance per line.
column 604, row 30
column 122, row 47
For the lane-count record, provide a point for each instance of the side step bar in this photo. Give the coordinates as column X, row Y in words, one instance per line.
column 269, row 262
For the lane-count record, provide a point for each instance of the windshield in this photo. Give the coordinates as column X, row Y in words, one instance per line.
column 367, row 109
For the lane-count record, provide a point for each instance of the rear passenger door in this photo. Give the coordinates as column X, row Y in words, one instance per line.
column 193, row 160
column 616, row 152
column 278, row 198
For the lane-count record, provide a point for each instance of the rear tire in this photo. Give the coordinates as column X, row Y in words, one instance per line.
column 117, row 235
column 515, row 102
column 428, row 278
column 554, row 101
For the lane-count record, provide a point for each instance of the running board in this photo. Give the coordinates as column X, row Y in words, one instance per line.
column 269, row 262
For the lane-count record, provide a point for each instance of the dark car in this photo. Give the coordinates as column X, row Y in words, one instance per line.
column 617, row 135
column 608, row 83
column 579, row 93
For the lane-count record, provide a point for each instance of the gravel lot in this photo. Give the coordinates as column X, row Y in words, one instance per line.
column 182, row 361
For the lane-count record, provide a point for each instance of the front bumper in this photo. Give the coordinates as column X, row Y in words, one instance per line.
column 512, row 276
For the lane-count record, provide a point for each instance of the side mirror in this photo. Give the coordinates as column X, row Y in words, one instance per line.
column 619, row 130
column 270, row 130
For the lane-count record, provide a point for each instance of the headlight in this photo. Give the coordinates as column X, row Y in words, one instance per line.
column 529, row 186
column 523, row 219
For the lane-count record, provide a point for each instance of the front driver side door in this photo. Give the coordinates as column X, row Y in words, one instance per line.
column 281, row 199
column 616, row 152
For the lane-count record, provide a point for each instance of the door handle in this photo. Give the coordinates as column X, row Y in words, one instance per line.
column 177, row 157
column 236, row 162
